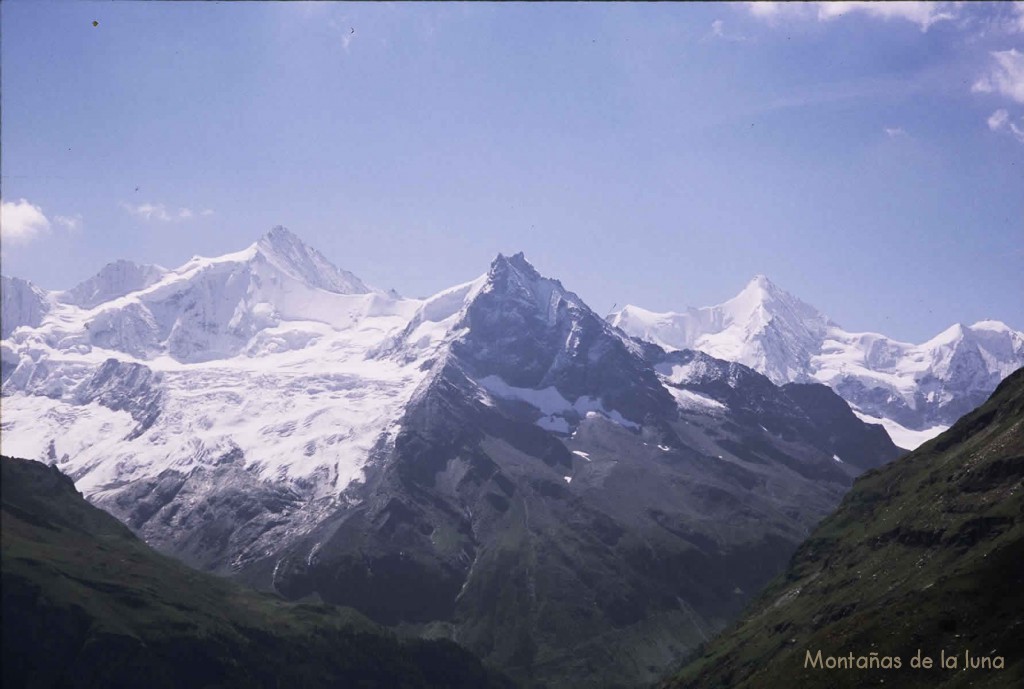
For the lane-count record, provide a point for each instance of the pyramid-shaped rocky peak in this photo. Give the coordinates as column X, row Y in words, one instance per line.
column 280, row 239
column 283, row 248
column 761, row 281
column 515, row 274
column 760, row 289
column 533, row 333
column 515, row 262
column 762, row 298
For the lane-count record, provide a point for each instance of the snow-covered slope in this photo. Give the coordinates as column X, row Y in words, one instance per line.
column 114, row 280
column 263, row 351
column 210, row 309
column 22, row 304
column 762, row 327
column 915, row 391
column 291, row 256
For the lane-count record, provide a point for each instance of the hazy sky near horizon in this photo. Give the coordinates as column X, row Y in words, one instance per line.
column 867, row 157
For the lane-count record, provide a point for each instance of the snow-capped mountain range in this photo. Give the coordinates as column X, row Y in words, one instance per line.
column 497, row 462
column 915, row 390
column 208, row 339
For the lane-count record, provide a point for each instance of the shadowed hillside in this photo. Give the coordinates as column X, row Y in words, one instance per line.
column 924, row 553
column 86, row 604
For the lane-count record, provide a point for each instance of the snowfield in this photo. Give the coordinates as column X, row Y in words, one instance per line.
column 269, row 351
column 915, row 391
column 274, row 355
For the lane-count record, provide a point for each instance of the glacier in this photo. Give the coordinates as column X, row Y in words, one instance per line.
column 262, row 351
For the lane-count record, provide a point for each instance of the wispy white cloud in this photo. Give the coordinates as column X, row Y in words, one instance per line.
column 206, row 212
column 71, row 223
column 1000, row 121
column 894, row 132
column 159, row 212
column 148, row 211
column 923, row 14
column 1016, row 22
column 1018, row 132
column 22, row 221
column 1005, row 77
column 718, row 31
column 766, row 10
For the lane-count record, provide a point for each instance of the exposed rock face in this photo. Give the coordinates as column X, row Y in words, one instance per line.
column 563, row 499
column 923, row 556
column 127, row 387
column 496, row 463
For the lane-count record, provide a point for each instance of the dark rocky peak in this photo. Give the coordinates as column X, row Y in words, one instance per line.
column 531, row 332
column 516, row 262
column 125, row 386
column 809, row 413
column 515, row 278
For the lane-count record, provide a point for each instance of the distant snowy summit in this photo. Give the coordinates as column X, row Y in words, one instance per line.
column 114, row 280
column 209, row 308
column 915, row 390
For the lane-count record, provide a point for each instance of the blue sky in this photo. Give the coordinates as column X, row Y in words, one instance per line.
column 868, row 158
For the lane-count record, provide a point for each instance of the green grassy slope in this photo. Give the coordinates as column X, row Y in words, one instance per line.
column 925, row 553
column 87, row 604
